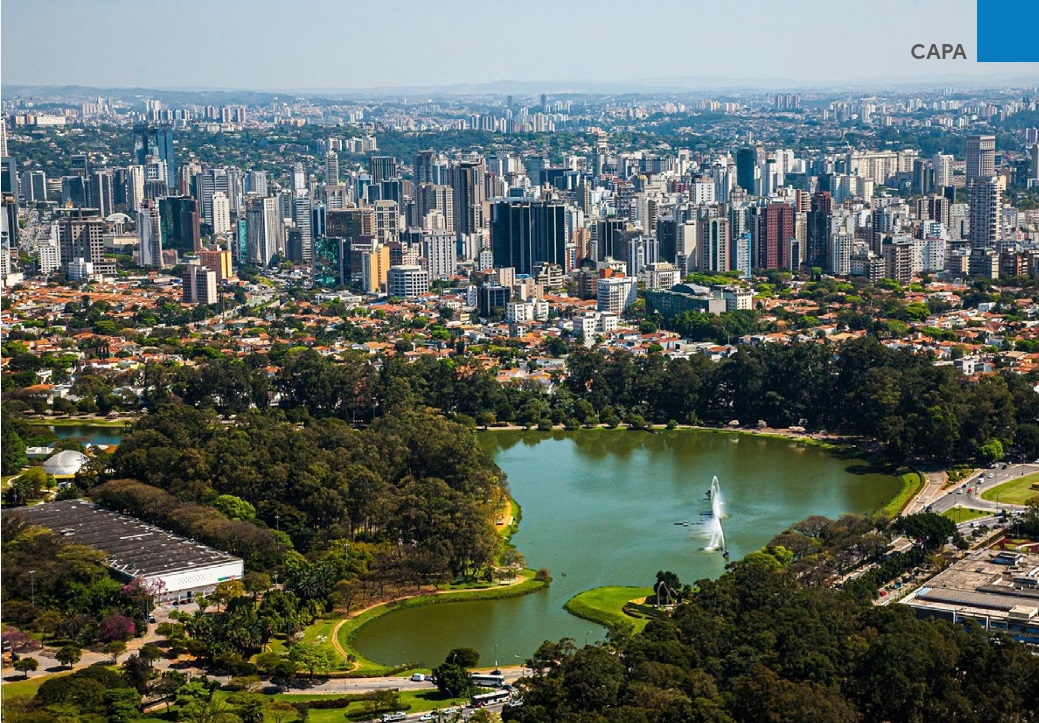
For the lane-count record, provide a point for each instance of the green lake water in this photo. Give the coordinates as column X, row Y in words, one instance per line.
column 599, row 508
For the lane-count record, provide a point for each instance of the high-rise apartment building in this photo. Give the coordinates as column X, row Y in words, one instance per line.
column 221, row 209
column 981, row 157
column 775, row 228
column 985, row 208
column 199, row 285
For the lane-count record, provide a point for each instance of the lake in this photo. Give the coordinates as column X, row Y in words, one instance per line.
column 93, row 433
column 599, row 508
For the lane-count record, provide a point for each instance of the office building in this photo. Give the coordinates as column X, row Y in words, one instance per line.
column 255, row 183
column 375, row 268
column 302, row 216
column 156, row 140
column 218, row 261
column 331, row 168
column 407, row 282
column 263, row 229
column 527, row 233
column 134, row 187
column 382, row 168
column 149, row 235
column 180, row 224
column 492, row 300
column 81, row 236
column 433, row 197
column 34, row 187
column 199, row 285
column 467, row 179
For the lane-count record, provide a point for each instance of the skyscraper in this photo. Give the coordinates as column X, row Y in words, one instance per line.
column 526, row 233
column 221, row 209
column 467, row 179
column 985, row 203
column 149, row 234
column 434, row 197
column 331, row 168
column 81, row 235
column 714, row 245
column 263, row 225
column 179, row 224
column 301, row 216
column 775, row 229
column 383, row 168
column 156, row 140
column 981, row 157
column 747, row 161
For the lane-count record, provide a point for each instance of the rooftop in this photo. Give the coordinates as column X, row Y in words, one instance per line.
column 132, row 547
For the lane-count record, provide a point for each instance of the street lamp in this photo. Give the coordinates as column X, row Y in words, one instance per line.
column 277, row 522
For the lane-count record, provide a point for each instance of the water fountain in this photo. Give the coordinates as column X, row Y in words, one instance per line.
column 713, row 527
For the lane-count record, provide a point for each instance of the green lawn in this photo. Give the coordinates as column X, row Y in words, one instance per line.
column 605, row 605
column 1015, row 492
column 964, row 514
column 27, row 688
column 912, row 483
column 412, row 701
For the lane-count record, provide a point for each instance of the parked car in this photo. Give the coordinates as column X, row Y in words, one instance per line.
column 418, row 678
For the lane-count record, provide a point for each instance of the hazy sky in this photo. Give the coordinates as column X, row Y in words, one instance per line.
column 276, row 44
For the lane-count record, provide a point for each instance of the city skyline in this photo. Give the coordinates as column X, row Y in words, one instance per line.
column 572, row 47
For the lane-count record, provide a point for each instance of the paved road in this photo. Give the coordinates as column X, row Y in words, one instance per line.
column 959, row 495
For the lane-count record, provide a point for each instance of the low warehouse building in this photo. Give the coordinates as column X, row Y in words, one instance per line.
column 180, row 567
column 999, row 590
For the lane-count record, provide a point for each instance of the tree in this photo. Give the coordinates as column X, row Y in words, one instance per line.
column 69, row 655
column 26, row 665
column 312, row 657
column 466, row 657
column 452, row 680
column 115, row 649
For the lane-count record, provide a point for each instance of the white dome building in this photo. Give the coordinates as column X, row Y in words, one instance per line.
column 65, row 463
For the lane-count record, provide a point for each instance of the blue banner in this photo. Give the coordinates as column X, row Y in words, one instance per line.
column 1007, row 31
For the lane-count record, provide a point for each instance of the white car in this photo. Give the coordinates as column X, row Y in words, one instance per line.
column 419, row 678
column 428, row 716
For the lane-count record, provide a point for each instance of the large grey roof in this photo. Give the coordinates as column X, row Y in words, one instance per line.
column 133, row 548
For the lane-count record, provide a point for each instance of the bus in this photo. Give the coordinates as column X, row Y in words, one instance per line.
column 487, row 680
column 483, row 699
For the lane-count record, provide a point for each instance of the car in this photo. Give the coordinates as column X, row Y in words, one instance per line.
column 428, row 716
column 399, row 715
column 418, row 678
column 151, row 618
column 990, row 475
column 883, row 593
column 959, row 491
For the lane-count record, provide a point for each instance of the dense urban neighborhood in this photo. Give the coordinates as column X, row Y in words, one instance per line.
column 264, row 353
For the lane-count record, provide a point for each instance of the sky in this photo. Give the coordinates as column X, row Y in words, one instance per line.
column 349, row 44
